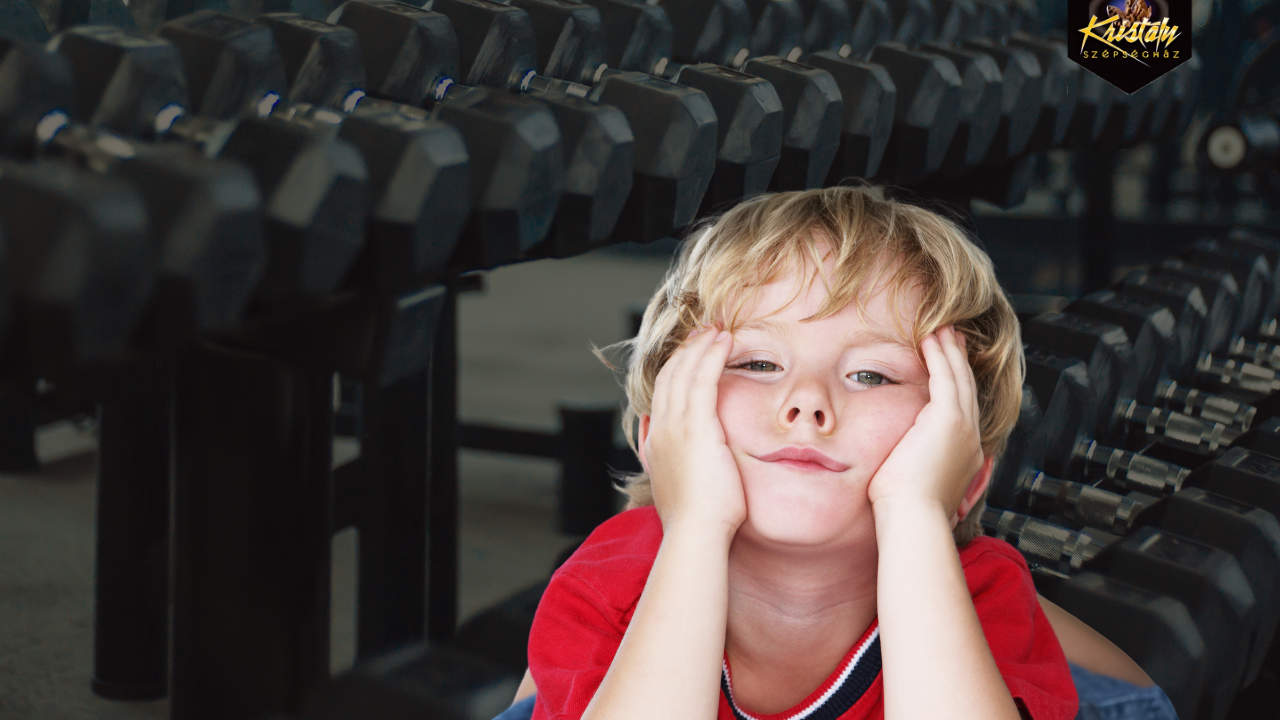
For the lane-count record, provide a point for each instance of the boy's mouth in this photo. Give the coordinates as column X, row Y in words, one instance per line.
column 804, row 459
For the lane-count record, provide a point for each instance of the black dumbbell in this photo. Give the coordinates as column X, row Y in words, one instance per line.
column 1250, row 534
column 517, row 165
column 1154, row 629
column 814, row 103
column 977, row 119
column 310, row 303
column 748, row 109
column 828, row 25
column 314, row 186
column 778, row 28
column 1208, row 581
column 811, row 102
column 202, row 214
column 870, row 99
column 20, row 21
column 418, row 167
column 79, row 268
column 598, row 142
column 709, row 31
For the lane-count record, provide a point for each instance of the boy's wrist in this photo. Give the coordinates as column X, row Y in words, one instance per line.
column 699, row 531
column 907, row 512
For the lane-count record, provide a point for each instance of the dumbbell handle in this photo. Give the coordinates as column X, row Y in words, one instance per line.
column 1239, row 374
column 1137, row 472
column 1206, row 406
column 1056, row 546
column 1264, row 354
column 1197, row 432
column 1087, row 504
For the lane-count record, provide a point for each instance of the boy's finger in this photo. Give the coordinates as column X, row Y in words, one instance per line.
column 704, row 385
column 961, row 371
column 659, row 404
column 942, row 381
column 683, row 371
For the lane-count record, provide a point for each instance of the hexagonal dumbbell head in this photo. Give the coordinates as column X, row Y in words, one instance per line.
column 1023, row 97
column 811, row 111
column 1061, row 88
column 324, row 63
column 828, row 25
column 992, row 21
column 750, row 131
column 1092, row 107
column 231, row 65
column 778, row 28
column 94, row 12
column 517, row 172
column 953, row 20
column 407, row 51
column 496, row 46
column 599, row 166
column 926, row 112
column 36, row 88
column 570, row 36
column 123, row 81
column 913, row 21
column 872, row 25
column 22, row 22
column 638, row 36
column 709, row 31
column 78, row 262
column 206, row 229
column 869, row 98
column 419, row 193
column 315, row 195
column 979, row 98
column 675, row 130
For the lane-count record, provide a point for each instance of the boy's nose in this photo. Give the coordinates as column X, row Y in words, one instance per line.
column 821, row 418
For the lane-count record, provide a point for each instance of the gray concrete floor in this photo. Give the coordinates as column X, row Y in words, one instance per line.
column 524, row 346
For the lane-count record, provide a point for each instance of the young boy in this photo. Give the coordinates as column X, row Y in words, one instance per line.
column 821, row 387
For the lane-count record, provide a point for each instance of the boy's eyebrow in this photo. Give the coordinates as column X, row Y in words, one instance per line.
column 865, row 336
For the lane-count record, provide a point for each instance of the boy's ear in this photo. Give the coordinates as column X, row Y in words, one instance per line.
column 641, row 440
column 977, row 486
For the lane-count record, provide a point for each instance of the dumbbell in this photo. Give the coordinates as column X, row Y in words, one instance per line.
column 811, row 102
column 517, row 164
column 314, row 187
column 748, row 108
column 598, row 140
column 20, row 21
column 709, row 31
column 1250, row 534
column 1154, row 629
column 201, row 216
column 352, row 299
column 1208, row 581
column 418, row 166
column 637, row 41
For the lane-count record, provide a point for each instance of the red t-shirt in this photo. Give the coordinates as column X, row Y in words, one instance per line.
column 589, row 603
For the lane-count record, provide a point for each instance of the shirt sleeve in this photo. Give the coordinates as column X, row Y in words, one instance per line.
column 574, row 637
column 1024, row 646
column 585, row 611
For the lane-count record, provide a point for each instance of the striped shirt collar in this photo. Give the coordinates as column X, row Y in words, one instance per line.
column 855, row 674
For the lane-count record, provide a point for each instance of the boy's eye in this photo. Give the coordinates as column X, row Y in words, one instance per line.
column 867, row 377
column 758, row 366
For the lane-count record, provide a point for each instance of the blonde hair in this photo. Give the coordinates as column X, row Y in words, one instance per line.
column 719, row 270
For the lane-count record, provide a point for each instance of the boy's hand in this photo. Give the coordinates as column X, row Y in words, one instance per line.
column 941, row 453
column 692, row 472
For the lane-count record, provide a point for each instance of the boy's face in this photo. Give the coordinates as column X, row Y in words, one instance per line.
column 846, row 387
